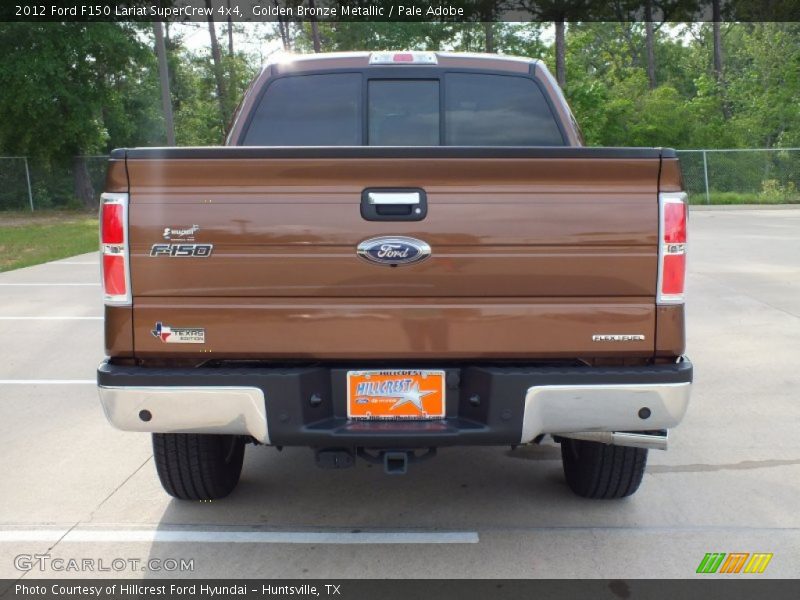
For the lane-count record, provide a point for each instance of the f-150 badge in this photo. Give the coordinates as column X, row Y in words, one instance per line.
column 182, row 250
column 179, row 335
column 393, row 251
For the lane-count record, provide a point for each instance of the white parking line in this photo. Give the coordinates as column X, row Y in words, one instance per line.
column 240, row 537
column 51, row 318
column 48, row 381
column 51, row 284
column 33, row 535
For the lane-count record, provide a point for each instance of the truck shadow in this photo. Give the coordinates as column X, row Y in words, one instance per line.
column 460, row 488
column 470, row 490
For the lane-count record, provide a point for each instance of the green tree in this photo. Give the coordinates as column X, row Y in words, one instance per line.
column 763, row 73
column 199, row 118
column 68, row 87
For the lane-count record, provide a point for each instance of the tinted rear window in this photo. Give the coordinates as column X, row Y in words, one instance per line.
column 497, row 110
column 480, row 110
column 403, row 112
column 312, row 110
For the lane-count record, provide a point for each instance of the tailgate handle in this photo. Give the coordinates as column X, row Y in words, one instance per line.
column 394, row 204
column 393, row 197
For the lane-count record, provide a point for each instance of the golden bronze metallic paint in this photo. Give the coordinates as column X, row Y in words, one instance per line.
column 119, row 331
column 670, row 331
column 395, row 328
column 671, row 177
column 530, row 257
column 116, row 177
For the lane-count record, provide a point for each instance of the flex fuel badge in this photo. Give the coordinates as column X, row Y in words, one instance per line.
column 179, row 335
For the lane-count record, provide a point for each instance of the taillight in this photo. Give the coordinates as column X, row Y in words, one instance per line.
column 673, row 213
column 114, row 275
column 112, row 232
column 114, row 248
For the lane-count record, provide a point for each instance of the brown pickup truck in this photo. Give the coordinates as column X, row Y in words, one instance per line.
column 396, row 252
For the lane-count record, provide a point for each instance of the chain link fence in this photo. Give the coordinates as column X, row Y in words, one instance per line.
column 27, row 184
column 748, row 176
column 16, row 192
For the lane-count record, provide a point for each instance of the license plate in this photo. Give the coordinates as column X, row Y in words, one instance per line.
column 385, row 395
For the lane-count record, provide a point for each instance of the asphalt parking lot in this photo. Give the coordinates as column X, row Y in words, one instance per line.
column 74, row 487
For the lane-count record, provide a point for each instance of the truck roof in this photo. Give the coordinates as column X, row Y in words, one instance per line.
column 302, row 62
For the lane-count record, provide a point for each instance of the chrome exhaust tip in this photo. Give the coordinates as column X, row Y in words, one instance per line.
column 651, row 441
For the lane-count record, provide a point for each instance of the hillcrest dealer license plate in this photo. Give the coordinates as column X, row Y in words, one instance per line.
column 395, row 394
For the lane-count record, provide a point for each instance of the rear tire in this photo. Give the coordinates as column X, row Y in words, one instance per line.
column 602, row 471
column 193, row 466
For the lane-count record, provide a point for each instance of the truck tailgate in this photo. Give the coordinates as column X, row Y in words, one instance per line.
column 531, row 256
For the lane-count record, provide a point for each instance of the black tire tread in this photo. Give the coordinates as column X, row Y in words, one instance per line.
column 193, row 466
column 602, row 471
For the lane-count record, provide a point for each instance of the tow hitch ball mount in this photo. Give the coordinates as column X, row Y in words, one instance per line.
column 394, row 461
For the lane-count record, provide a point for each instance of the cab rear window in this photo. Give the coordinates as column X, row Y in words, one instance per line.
column 309, row 110
column 497, row 110
column 454, row 109
column 403, row 112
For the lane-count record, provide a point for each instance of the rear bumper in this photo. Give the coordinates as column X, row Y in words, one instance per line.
column 306, row 406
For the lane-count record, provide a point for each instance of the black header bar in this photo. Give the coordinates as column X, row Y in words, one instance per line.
column 401, row 10
column 397, row 589
column 366, row 152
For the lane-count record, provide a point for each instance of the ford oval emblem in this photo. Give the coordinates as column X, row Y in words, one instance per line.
column 394, row 251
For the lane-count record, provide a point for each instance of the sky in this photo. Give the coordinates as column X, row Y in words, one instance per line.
column 258, row 39
column 262, row 40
